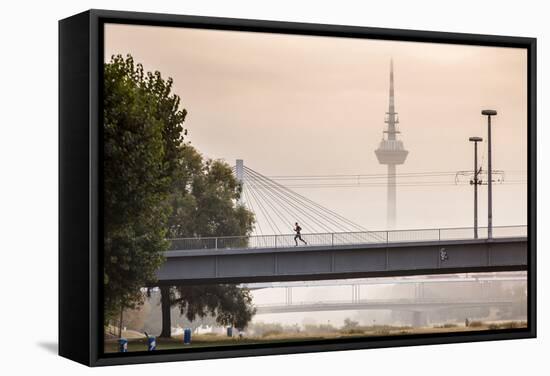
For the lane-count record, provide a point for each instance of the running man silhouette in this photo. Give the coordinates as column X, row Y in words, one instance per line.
column 298, row 235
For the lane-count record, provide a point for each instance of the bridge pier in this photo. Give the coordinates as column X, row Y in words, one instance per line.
column 419, row 290
column 419, row 319
column 355, row 293
column 288, row 298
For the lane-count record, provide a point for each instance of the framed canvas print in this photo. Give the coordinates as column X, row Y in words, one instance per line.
column 235, row 187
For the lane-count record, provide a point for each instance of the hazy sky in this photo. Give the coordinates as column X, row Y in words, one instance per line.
column 300, row 105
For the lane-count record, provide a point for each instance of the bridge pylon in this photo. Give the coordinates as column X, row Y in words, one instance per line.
column 239, row 174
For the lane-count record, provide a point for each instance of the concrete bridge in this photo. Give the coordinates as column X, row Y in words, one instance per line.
column 412, row 305
column 342, row 255
column 449, row 279
column 482, row 283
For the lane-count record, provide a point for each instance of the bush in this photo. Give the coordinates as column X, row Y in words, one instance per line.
column 476, row 324
column 269, row 333
column 262, row 329
column 321, row 328
column 508, row 325
column 446, row 326
column 353, row 331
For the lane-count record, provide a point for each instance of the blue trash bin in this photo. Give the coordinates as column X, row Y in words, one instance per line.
column 230, row 331
column 151, row 343
column 187, row 336
column 122, row 345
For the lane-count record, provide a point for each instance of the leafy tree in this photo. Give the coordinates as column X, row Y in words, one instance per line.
column 146, row 318
column 203, row 204
column 203, row 200
column 230, row 304
column 350, row 325
column 142, row 136
column 156, row 186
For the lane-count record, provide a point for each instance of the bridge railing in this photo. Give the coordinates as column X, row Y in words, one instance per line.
column 344, row 238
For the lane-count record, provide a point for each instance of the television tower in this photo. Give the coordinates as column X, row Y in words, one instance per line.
column 391, row 152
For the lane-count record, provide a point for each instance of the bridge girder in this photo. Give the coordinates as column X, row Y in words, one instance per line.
column 354, row 261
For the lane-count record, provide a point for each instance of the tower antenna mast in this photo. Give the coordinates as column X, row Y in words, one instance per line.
column 391, row 152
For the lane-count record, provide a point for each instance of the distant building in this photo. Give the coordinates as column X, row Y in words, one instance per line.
column 391, row 152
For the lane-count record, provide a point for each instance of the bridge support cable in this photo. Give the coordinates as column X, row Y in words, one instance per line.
column 327, row 213
column 334, row 220
column 263, row 211
column 327, row 218
column 248, row 203
column 280, row 215
column 295, row 210
column 285, row 214
column 296, row 214
column 328, row 223
column 353, row 226
column 253, row 203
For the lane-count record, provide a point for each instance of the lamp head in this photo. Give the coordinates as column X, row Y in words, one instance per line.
column 475, row 139
column 488, row 112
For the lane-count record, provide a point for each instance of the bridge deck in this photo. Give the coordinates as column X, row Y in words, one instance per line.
column 240, row 265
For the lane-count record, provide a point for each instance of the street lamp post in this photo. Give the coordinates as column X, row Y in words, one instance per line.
column 489, row 113
column 475, row 182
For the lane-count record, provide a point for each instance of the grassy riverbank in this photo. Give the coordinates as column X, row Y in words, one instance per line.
column 214, row 340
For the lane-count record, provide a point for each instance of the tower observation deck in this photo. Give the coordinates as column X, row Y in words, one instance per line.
column 391, row 152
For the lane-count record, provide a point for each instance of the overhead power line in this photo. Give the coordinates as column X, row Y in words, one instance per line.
column 412, row 179
column 277, row 206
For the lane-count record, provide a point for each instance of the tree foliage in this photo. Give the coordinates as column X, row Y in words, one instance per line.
column 230, row 304
column 350, row 324
column 203, row 204
column 203, row 200
column 142, row 136
column 157, row 186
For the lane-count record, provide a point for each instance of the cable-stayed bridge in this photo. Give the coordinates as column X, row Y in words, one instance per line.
column 337, row 248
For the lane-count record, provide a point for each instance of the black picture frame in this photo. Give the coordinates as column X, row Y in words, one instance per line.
column 80, row 176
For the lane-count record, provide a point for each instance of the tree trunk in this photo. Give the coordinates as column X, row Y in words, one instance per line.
column 120, row 322
column 166, row 305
